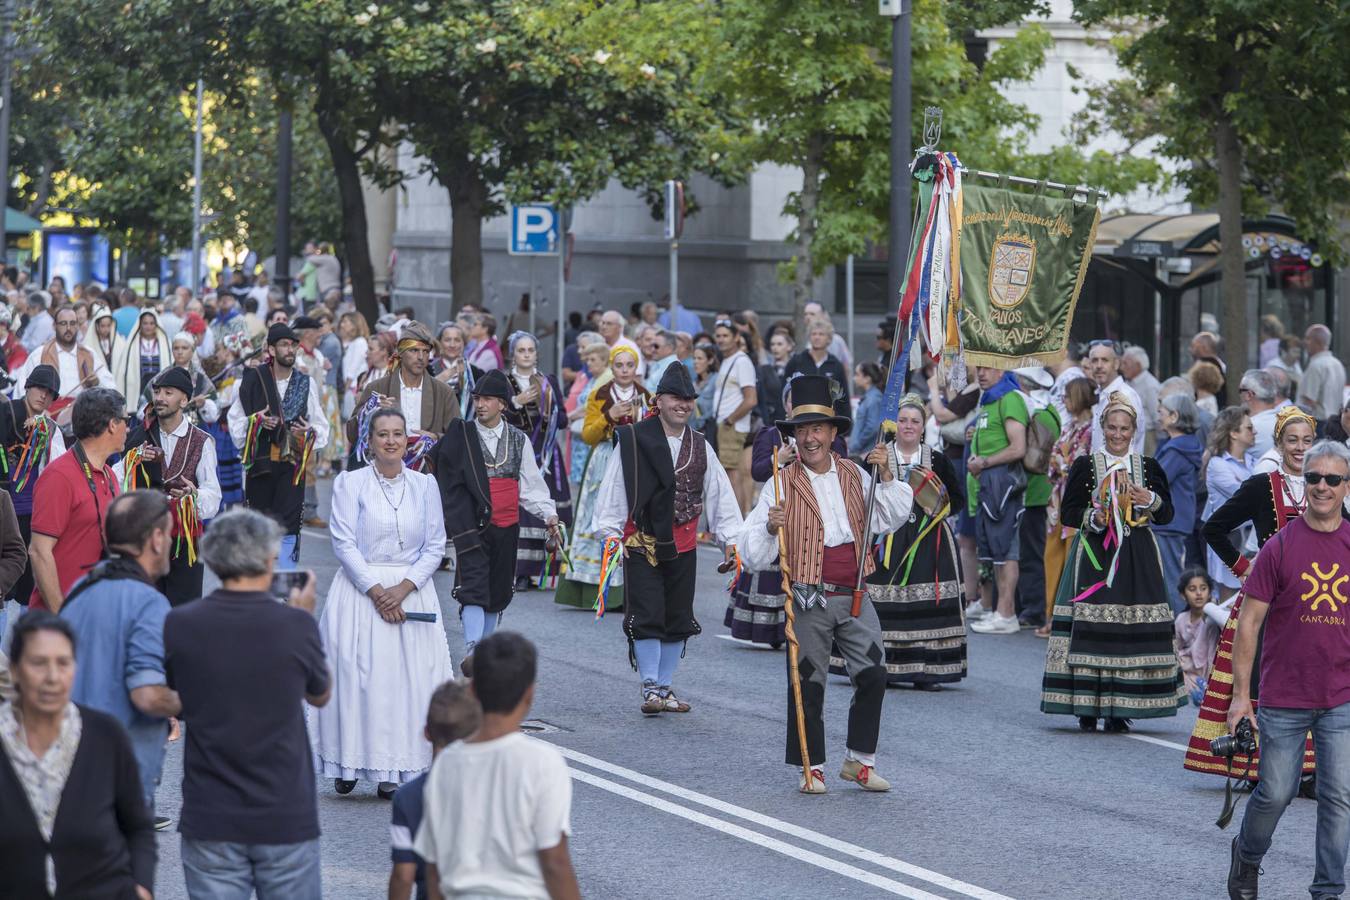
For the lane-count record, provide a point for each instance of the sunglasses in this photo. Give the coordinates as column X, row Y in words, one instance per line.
column 1102, row 342
column 1318, row 478
column 725, row 323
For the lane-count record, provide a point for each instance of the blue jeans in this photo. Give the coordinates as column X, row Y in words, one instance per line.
column 1172, row 551
column 1283, row 734
column 218, row 870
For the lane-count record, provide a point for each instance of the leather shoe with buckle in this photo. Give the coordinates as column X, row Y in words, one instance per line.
column 1242, row 876
column 817, row 785
column 864, row 776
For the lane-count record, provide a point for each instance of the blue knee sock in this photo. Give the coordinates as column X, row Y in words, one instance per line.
column 648, row 653
column 670, row 658
column 474, row 619
column 286, row 559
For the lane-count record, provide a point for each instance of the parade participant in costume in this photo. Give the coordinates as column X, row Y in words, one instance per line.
column 536, row 408
column 661, row 479
column 487, row 477
column 169, row 453
column 917, row 586
column 452, row 369
column 1268, row 501
column 12, row 352
column 202, row 406
column 1110, row 653
column 428, row 404
column 821, row 514
column 755, row 612
column 101, row 336
column 388, row 535
column 278, row 423
column 138, row 359
column 224, row 375
column 617, row 399
column 29, row 439
column 77, row 366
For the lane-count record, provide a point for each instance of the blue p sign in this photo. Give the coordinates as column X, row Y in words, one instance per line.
column 534, row 230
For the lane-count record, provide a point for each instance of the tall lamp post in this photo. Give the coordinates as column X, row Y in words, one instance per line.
column 898, row 250
column 8, row 12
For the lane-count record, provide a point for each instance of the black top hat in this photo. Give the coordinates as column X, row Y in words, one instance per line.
column 46, row 377
column 280, row 332
column 175, row 377
column 493, row 384
column 813, row 401
column 305, row 323
column 675, row 380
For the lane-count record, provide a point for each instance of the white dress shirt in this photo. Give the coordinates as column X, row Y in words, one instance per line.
column 719, row 500
column 1121, row 386
column 759, row 549
column 238, row 419
column 410, row 402
column 534, row 495
column 68, row 367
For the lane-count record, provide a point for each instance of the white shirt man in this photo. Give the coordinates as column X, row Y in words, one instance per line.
column 1322, row 389
column 68, row 367
column 736, row 373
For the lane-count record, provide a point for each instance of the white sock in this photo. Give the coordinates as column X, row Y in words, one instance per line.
column 867, row 759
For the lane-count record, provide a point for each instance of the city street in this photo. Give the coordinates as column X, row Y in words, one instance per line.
column 992, row 799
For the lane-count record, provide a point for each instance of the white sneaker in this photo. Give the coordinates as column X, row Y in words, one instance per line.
column 975, row 611
column 996, row 624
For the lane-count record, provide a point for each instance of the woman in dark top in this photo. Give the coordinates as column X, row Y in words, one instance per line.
column 817, row 360
column 74, row 821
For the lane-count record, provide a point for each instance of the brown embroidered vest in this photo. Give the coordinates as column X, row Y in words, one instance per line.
column 805, row 530
column 181, row 469
column 691, row 464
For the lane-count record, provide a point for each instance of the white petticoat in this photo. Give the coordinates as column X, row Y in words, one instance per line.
column 383, row 679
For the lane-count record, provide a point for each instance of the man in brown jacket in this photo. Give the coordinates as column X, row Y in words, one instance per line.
column 427, row 404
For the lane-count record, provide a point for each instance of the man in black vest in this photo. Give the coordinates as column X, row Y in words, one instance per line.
column 487, row 472
column 279, row 412
column 653, row 492
column 28, row 446
column 171, row 454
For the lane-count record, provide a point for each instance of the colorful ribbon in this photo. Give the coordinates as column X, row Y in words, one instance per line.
column 35, row 451
column 548, row 578
column 187, row 526
column 363, row 425
column 610, row 560
column 1112, row 498
column 133, row 469
column 419, row 450
column 736, row 569
column 251, row 436
column 306, row 447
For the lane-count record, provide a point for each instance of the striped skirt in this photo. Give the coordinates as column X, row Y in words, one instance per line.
column 229, row 470
column 755, row 612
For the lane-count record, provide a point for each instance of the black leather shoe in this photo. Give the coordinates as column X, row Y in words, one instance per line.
column 1117, row 726
column 342, row 786
column 1307, row 787
column 386, row 790
column 1087, row 723
column 1242, row 876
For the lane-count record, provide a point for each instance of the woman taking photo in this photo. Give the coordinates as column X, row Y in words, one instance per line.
column 1074, row 441
column 916, row 587
column 74, row 821
column 1110, row 655
column 1229, row 464
column 389, row 536
column 617, row 399
column 536, row 408
column 1267, row 502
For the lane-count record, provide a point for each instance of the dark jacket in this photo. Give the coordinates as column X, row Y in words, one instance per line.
column 466, row 498
column 103, row 842
column 1180, row 460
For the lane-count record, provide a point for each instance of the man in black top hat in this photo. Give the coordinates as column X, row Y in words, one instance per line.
column 280, row 415
column 487, row 472
column 20, row 430
column 654, row 489
column 169, row 453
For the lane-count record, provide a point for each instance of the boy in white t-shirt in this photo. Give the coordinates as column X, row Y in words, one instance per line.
column 498, row 804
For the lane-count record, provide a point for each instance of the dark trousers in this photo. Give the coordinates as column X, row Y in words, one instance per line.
column 22, row 590
column 1031, row 563
column 485, row 575
column 183, row 584
column 659, row 600
column 270, row 491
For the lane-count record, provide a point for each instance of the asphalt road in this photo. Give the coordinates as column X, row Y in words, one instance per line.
column 991, row 798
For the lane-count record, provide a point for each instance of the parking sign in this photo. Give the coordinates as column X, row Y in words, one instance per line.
column 535, row 230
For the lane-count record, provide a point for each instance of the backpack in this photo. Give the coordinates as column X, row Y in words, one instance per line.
column 1040, row 442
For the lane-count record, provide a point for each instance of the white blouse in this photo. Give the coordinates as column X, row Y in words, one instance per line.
column 379, row 522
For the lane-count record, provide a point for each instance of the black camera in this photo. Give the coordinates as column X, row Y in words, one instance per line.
column 1241, row 741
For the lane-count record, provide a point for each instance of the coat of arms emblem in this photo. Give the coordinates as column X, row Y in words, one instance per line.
column 1011, row 267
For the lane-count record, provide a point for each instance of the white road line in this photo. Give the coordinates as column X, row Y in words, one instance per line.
column 1159, row 741
column 805, row 834
column 754, row 837
column 740, row 643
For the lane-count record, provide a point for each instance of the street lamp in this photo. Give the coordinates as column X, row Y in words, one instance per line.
column 899, row 12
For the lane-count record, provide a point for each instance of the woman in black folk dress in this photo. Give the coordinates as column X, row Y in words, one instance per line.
column 917, row 586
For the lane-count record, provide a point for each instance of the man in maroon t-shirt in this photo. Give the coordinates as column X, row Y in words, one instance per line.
column 1299, row 588
column 72, row 495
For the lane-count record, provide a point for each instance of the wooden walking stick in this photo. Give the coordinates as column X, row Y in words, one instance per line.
column 790, row 632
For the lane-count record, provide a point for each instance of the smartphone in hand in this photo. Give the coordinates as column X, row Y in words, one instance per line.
column 284, row 582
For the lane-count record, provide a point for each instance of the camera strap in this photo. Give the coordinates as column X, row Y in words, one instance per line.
column 1230, row 798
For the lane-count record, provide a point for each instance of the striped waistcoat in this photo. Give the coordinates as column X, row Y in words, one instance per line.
column 806, row 532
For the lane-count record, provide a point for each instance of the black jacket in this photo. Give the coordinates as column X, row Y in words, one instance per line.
column 462, row 476
column 103, row 842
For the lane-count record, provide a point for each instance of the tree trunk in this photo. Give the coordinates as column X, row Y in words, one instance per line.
column 355, row 231
column 468, row 199
column 1232, row 255
column 808, row 205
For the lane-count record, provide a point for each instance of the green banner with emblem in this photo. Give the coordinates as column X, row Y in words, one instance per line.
column 1023, row 260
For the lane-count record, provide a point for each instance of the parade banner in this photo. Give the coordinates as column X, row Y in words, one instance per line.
column 1023, row 258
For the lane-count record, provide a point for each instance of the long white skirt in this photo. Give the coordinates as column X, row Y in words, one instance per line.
column 383, row 679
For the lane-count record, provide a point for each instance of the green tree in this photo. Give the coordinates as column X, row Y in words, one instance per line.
column 1251, row 104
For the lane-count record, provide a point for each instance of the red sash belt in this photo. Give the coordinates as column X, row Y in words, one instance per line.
column 505, row 501
column 686, row 534
column 840, row 565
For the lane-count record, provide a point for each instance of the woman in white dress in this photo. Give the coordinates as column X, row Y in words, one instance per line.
column 389, row 537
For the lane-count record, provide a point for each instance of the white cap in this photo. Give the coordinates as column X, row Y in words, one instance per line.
column 1037, row 374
